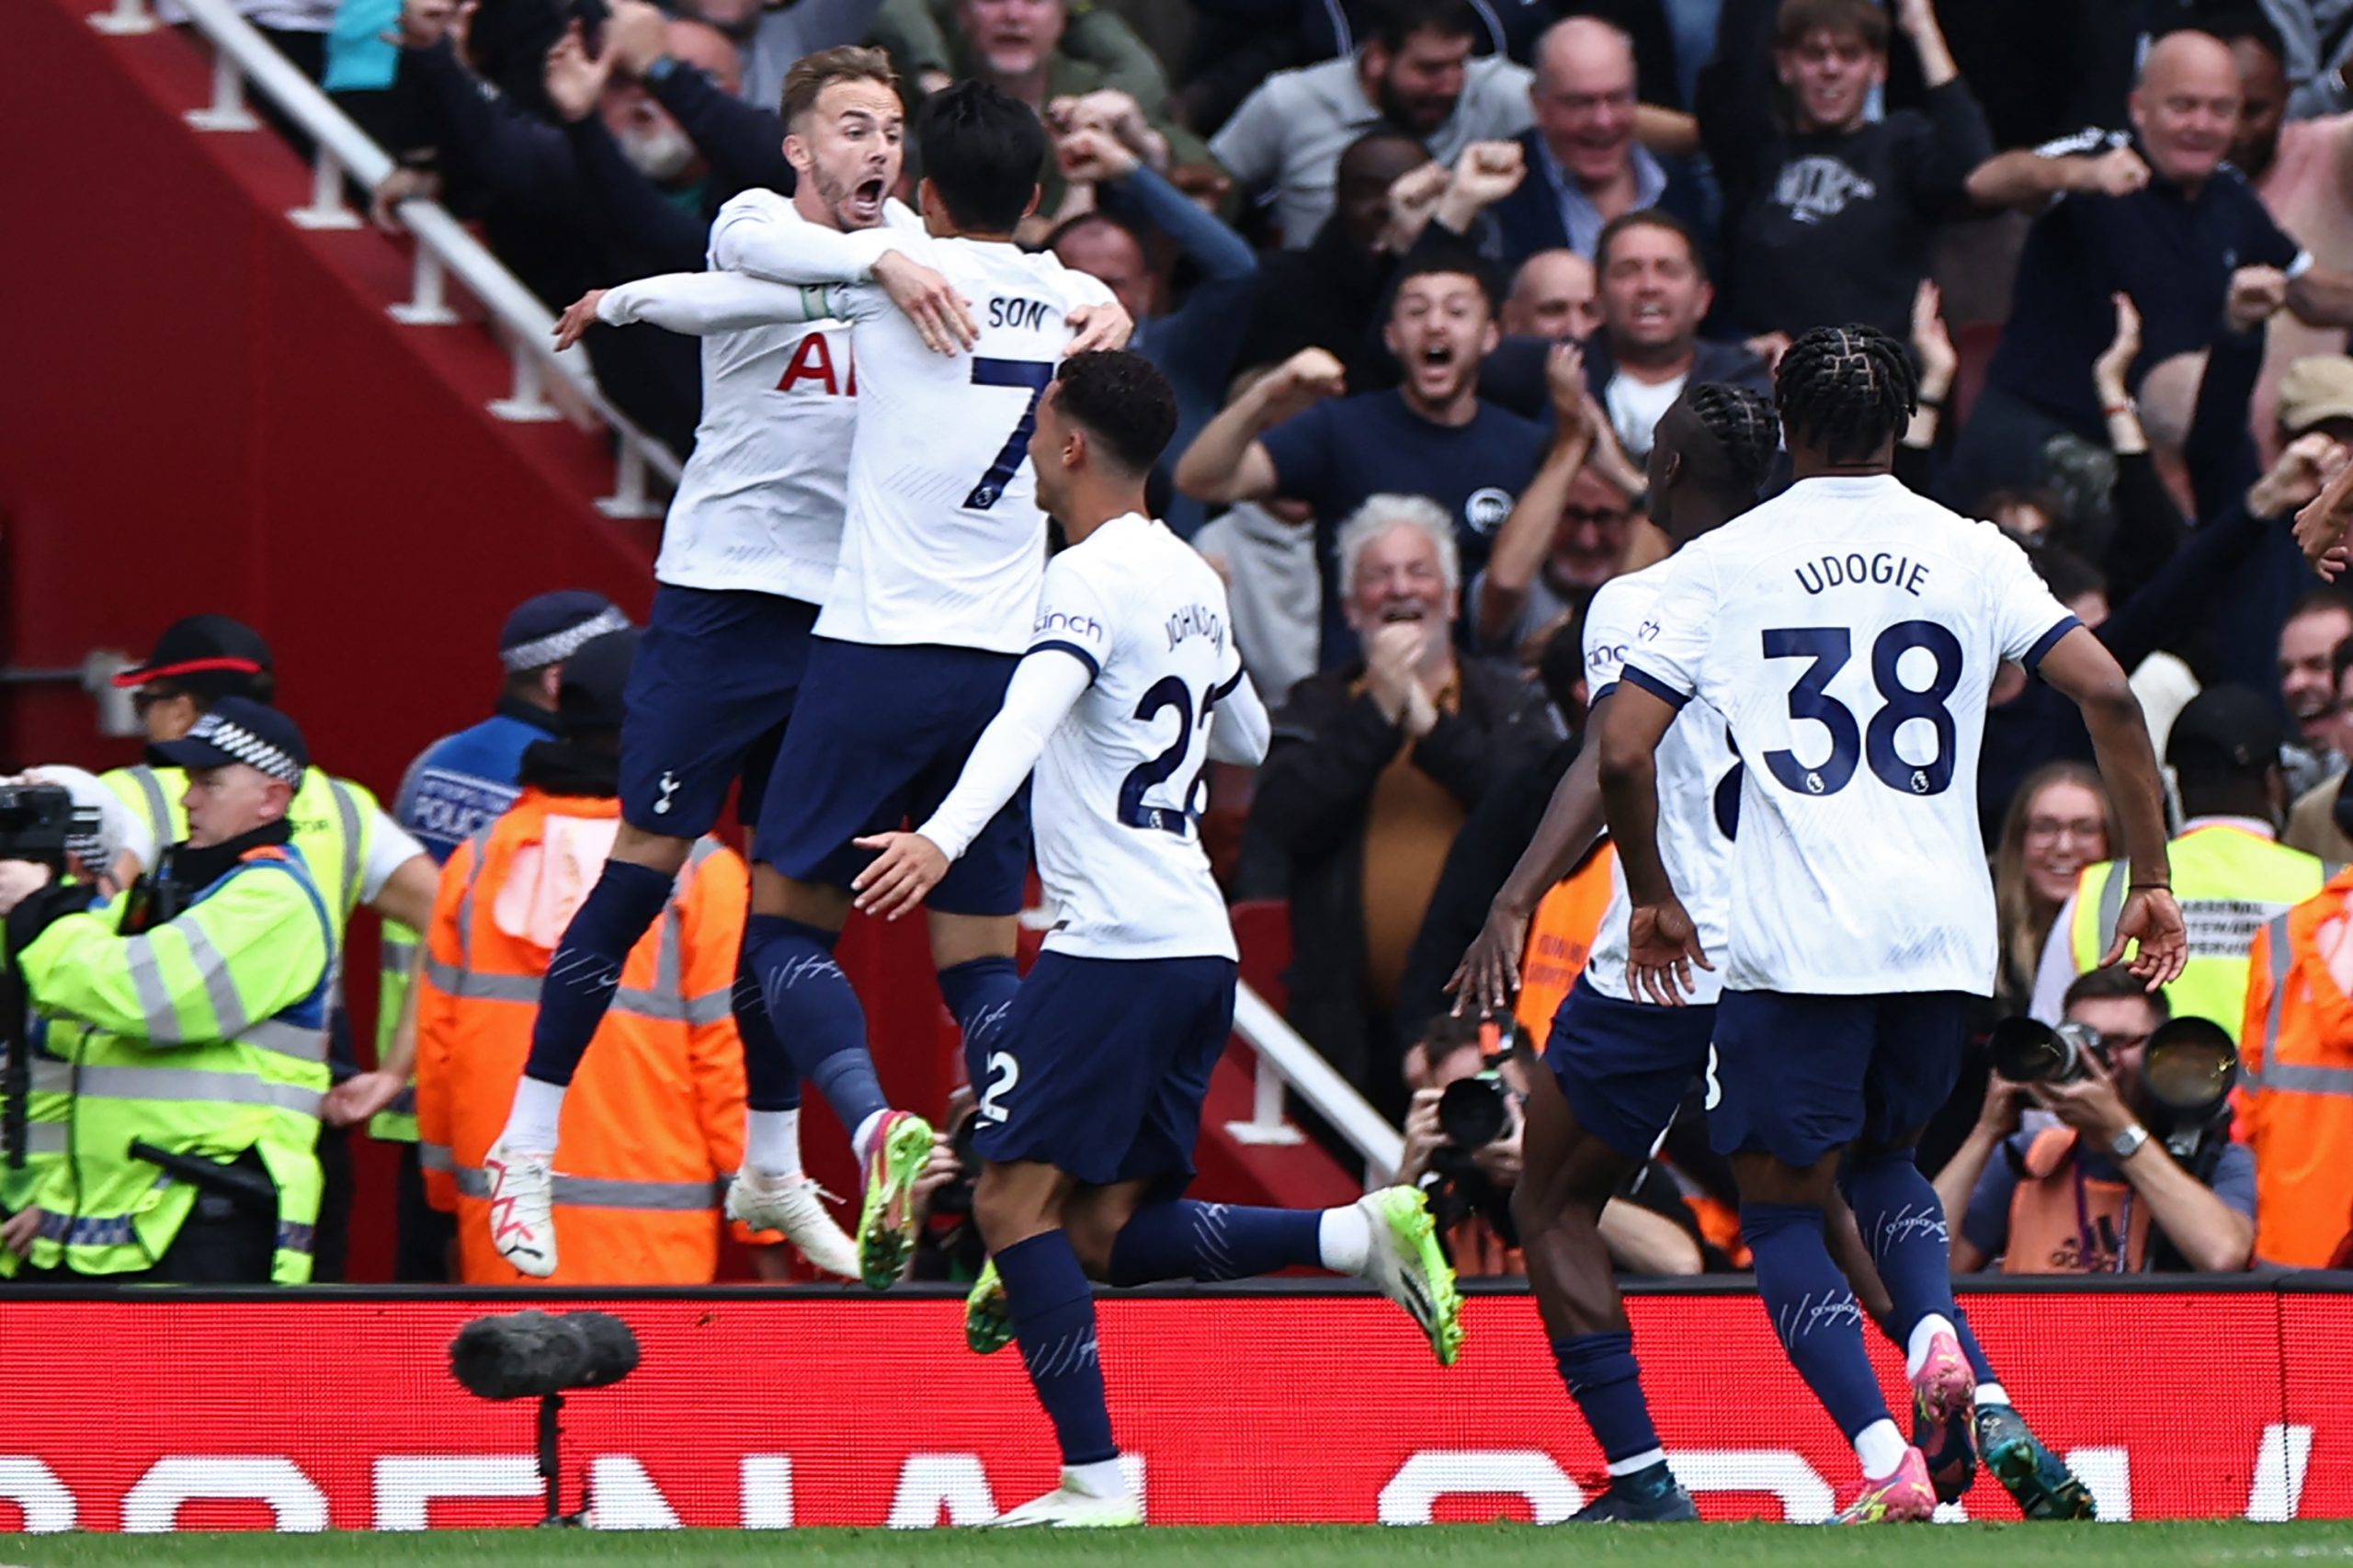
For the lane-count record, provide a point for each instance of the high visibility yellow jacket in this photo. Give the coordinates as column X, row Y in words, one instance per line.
column 205, row 1037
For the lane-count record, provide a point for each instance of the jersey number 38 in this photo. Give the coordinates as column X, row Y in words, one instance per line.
column 1830, row 648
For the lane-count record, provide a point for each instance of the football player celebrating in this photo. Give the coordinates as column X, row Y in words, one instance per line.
column 1091, row 1093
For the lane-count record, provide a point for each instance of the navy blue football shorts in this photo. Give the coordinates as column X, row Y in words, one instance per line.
column 877, row 738
column 1803, row 1075
column 1102, row 1065
column 1623, row 1066
column 715, row 681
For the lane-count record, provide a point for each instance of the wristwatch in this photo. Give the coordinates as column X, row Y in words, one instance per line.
column 2128, row 1142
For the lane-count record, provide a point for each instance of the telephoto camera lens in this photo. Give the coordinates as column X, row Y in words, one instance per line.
column 2026, row 1051
column 2189, row 1068
column 1472, row 1112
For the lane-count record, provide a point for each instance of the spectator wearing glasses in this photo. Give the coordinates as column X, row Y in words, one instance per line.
column 2059, row 822
column 1566, row 536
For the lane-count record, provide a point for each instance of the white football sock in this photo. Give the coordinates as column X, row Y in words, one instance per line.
column 1924, row 1334
column 772, row 1142
column 1102, row 1479
column 530, row 1125
column 1343, row 1240
column 1880, row 1448
column 1992, row 1394
column 862, row 1141
column 1634, row 1464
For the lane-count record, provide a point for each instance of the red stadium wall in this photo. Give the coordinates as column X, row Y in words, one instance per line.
column 1253, row 1408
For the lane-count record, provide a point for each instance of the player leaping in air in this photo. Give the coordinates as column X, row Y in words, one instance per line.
column 943, row 549
column 747, row 558
column 1619, row 1068
column 1091, row 1093
column 1848, row 631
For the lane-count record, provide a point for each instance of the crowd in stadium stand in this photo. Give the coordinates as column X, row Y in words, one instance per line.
column 1424, row 275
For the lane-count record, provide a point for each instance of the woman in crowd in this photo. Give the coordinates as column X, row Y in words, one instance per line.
column 2059, row 822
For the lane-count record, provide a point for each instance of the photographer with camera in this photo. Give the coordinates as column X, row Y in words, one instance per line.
column 1463, row 1149
column 2140, row 1174
column 191, row 1014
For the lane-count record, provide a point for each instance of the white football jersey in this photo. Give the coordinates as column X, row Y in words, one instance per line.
column 1849, row 631
column 1697, row 795
column 944, row 541
column 759, row 504
column 1112, row 803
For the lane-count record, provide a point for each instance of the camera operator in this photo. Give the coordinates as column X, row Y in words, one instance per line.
column 1462, row 1138
column 2098, row 1193
column 193, row 1016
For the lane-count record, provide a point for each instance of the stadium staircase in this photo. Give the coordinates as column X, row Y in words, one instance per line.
column 230, row 393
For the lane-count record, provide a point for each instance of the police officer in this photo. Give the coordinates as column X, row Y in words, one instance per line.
column 356, row 854
column 192, row 1016
column 457, row 785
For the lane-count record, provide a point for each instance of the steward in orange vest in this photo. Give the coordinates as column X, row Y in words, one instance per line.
column 2295, row 1098
column 653, row 1128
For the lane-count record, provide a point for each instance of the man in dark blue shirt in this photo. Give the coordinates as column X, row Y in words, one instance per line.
column 2157, row 215
column 1432, row 436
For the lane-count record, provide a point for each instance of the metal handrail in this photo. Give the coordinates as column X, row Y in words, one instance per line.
column 1287, row 1061
column 444, row 248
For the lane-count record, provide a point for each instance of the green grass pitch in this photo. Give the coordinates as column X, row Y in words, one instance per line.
column 2145, row 1545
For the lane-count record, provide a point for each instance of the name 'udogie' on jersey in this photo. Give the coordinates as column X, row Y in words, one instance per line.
column 944, row 542
column 1113, row 800
column 1849, row 631
column 1698, row 786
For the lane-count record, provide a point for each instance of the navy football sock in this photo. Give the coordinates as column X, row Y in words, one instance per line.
column 813, row 1014
column 1208, row 1242
column 1053, row 1317
column 978, row 992
column 1971, row 1348
column 770, row 1080
column 1603, row 1378
column 1902, row 1223
column 1814, row 1310
column 587, row 967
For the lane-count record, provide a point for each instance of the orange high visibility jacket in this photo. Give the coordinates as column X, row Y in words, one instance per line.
column 2064, row 1223
column 1560, row 941
column 653, row 1124
column 2295, row 1099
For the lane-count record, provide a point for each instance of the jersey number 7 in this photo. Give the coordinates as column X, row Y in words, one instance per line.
column 1035, row 374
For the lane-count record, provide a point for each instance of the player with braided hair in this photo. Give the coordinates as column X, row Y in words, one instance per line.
column 1847, row 635
column 1618, row 1069
column 1848, row 390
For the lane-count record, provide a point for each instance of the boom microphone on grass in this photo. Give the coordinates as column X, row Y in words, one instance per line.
column 544, row 1356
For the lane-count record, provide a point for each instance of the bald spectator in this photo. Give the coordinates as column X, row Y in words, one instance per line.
column 1329, row 295
column 1554, row 294
column 2157, row 214
column 1584, row 166
column 1412, row 72
column 1654, row 293
column 2302, row 170
column 1830, row 212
